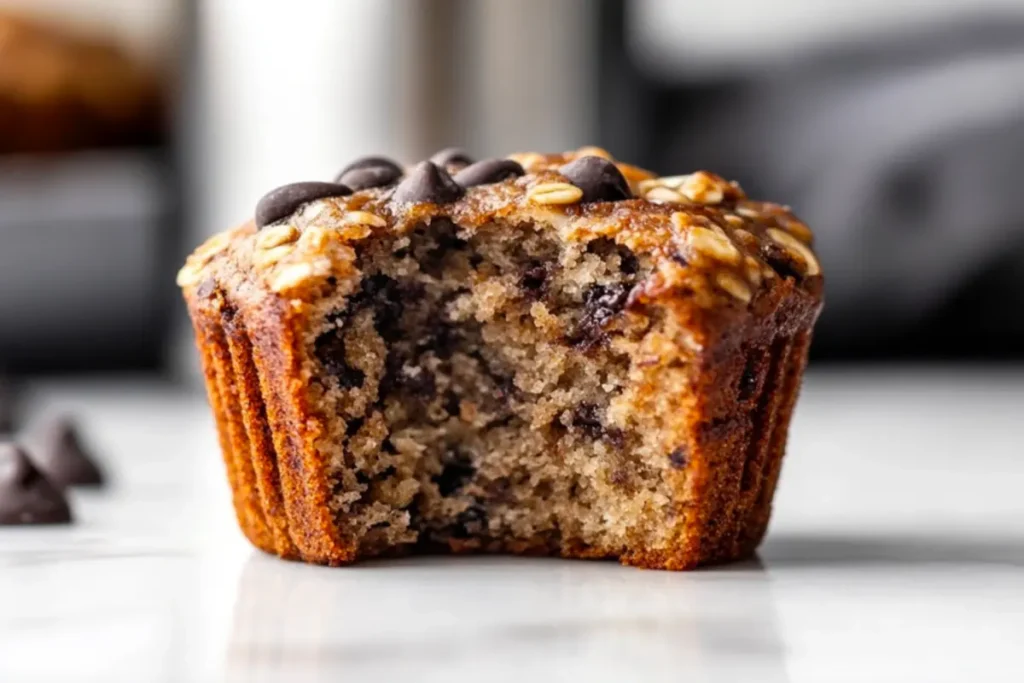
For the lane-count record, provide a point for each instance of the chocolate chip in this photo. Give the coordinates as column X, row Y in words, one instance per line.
column 457, row 470
column 417, row 381
column 452, row 404
column 587, row 418
column 285, row 200
column 628, row 262
column 600, row 179
column 601, row 303
column 427, row 183
column 372, row 176
column 387, row 298
column 354, row 425
column 604, row 301
column 26, row 496
column 488, row 171
column 452, row 156
column 58, row 451
column 369, row 162
column 470, row 522
column 534, row 281
column 330, row 351
column 679, row 457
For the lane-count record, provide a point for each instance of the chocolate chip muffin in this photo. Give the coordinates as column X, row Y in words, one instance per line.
column 552, row 354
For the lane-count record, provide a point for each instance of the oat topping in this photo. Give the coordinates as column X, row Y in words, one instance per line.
column 726, row 247
column 554, row 193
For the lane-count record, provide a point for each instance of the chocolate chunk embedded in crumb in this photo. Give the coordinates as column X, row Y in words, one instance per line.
column 26, row 495
column 457, row 470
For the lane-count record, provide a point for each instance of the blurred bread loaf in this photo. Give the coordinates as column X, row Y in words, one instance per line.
column 62, row 90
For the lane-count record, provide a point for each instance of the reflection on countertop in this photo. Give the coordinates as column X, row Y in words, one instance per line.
column 895, row 554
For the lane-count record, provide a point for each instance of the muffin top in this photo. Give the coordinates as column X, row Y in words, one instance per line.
column 707, row 244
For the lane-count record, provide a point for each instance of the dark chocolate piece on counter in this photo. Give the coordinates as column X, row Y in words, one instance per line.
column 370, row 162
column 58, row 451
column 488, row 171
column 285, row 200
column 427, row 182
column 370, row 176
column 26, row 496
column 452, row 156
column 600, row 179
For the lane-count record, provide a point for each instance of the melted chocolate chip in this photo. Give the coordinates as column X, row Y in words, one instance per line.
column 427, row 183
column 587, row 419
column 385, row 295
column 679, row 457
column 330, row 351
column 628, row 262
column 26, row 496
column 471, row 522
column 601, row 303
column 59, row 453
column 354, row 425
column 488, row 171
column 372, row 176
column 534, row 281
column 452, row 404
column 286, row 200
column 457, row 470
column 370, row 162
column 600, row 179
column 417, row 382
column 452, row 156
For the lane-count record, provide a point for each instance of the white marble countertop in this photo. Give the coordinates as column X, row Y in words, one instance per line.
column 896, row 554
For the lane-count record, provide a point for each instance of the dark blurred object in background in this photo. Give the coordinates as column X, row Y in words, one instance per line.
column 87, row 186
column 131, row 130
column 62, row 91
column 901, row 142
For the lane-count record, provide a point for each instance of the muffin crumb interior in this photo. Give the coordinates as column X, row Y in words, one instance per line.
column 475, row 390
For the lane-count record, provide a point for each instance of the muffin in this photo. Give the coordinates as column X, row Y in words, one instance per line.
column 549, row 354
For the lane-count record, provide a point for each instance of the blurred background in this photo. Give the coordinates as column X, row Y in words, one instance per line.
column 129, row 130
